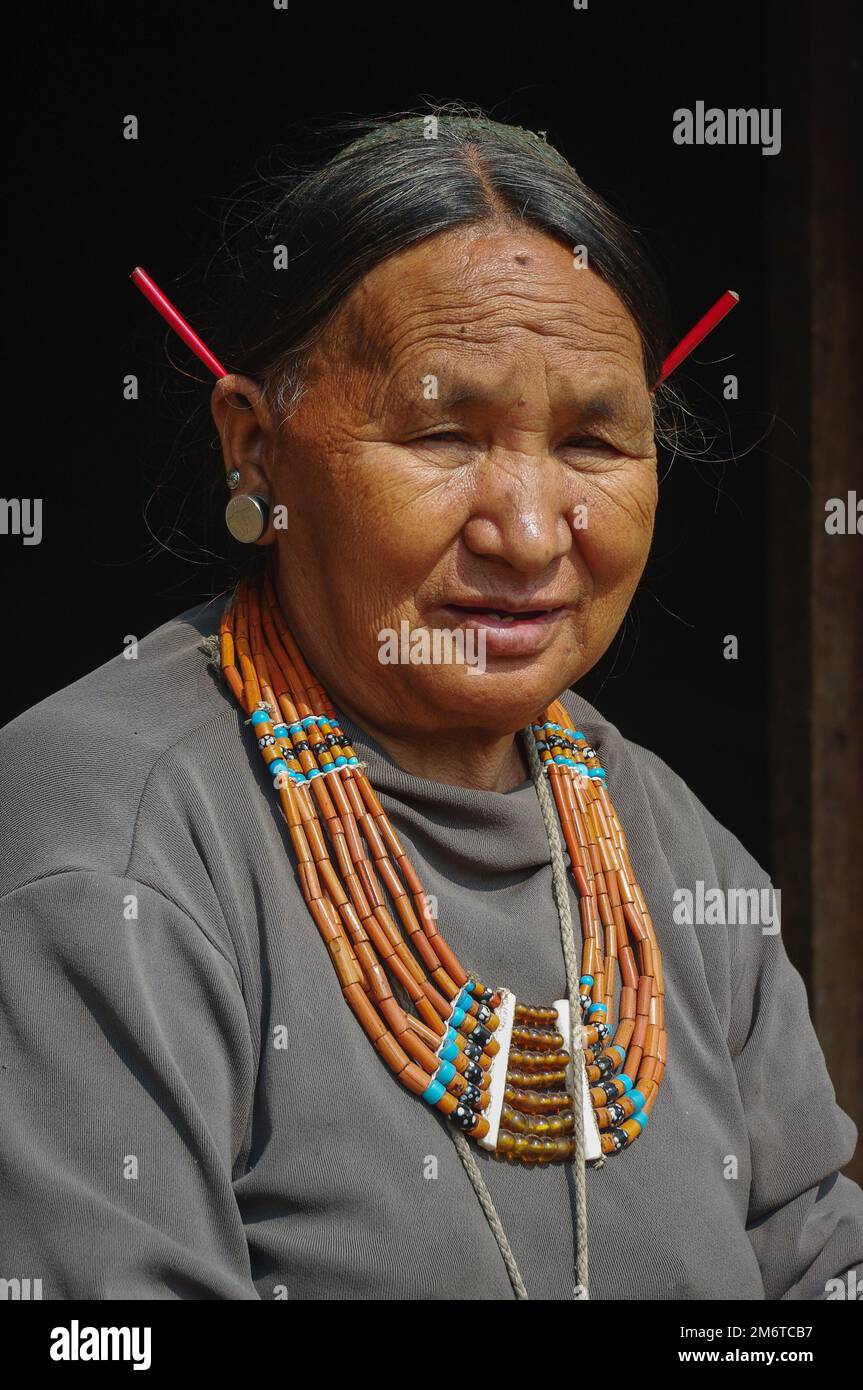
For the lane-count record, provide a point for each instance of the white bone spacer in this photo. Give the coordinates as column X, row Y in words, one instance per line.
column 499, row 1064
column 592, row 1143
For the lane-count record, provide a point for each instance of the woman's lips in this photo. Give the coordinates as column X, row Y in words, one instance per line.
column 516, row 634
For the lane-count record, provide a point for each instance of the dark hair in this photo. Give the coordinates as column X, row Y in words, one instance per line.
column 404, row 179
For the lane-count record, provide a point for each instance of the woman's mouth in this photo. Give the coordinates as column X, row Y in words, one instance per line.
column 507, row 631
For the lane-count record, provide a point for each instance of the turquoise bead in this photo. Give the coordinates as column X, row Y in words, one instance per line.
column 445, row 1073
column 456, row 1017
column 448, row 1053
column 637, row 1097
column 260, row 716
column 433, row 1092
column 627, row 1082
column 278, row 765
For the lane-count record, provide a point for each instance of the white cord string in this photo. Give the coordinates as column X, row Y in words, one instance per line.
column 576, row 1044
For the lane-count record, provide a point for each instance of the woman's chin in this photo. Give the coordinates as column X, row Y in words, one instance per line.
column 502, row 695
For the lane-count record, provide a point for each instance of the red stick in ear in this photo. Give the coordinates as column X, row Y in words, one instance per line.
column 724, row 304
column 162, row 303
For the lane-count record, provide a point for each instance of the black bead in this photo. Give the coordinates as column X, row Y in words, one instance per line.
column 463, row 1117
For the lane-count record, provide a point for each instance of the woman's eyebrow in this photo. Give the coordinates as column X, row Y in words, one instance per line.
column 595, row 404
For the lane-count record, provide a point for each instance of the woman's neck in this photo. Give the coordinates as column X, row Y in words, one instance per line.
column 460, row 758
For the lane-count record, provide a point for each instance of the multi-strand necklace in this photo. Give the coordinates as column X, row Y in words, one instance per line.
column 498, row 1069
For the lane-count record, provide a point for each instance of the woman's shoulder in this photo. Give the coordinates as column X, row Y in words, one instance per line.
column 76, row 765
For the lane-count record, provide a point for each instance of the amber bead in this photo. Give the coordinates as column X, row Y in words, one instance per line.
column 518, row 1122
column 536, row 1102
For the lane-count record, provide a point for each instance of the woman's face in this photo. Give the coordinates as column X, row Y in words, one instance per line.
column 476, row 439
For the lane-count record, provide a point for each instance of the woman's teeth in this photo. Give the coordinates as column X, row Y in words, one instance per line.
column 515, row 617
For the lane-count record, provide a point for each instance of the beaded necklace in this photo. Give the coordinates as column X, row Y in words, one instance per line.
column 498, row 1069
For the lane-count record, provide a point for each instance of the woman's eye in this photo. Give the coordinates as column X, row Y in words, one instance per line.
column 448, row 436
column 587, row 441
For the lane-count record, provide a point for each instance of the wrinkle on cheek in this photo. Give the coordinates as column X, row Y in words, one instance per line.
column 634, row 496
column 615, row 543
column 418, row 499
column 386, row 480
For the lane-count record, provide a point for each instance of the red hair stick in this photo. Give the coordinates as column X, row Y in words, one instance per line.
column 724, row 304
column 159, row 301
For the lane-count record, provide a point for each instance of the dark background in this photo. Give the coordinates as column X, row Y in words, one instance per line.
column 772, row 743
column 214, row 87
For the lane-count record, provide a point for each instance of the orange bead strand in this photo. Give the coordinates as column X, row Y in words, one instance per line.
column 369, row 905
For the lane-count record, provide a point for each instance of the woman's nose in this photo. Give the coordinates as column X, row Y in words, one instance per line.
column 520, row 511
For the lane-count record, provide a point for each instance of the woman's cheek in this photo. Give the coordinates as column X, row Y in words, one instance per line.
column 413, row 514
column 616, row 539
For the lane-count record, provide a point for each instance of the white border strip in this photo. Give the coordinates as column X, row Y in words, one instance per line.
column 592, row 1143
column 499, row 1064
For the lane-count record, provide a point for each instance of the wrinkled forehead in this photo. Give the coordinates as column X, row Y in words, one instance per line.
column 479, row 312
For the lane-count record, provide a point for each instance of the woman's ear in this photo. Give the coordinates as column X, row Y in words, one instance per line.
column 245, row 424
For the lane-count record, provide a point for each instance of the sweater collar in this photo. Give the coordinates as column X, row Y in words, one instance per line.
column 430, row 811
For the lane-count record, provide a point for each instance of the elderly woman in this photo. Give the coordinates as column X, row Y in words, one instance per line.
column 289, row 950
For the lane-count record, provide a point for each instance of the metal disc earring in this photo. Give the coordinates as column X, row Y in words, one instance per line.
column 246, row 516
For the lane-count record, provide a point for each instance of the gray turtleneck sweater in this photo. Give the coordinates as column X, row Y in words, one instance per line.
column 190, row 1110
